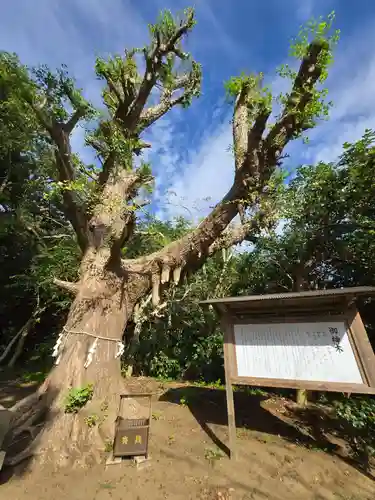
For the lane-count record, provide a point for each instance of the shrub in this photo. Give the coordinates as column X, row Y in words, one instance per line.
column 77, row 397
column 359, row 413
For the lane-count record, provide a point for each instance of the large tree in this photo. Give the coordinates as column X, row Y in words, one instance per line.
column 140, row 87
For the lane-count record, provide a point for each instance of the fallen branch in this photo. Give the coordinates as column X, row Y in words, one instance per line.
column 12, row 342
column 20, row 337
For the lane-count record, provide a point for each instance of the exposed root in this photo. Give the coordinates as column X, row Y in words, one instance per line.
column 27, row 422
column 12, row 461
column 64, row 441
column 42, row 431
column 28, row 411
column 25, row 418
column 30, row 401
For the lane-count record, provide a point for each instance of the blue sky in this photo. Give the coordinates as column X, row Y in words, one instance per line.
column 190, row 148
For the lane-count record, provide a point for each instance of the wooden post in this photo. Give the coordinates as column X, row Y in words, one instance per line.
column 302, row 395
column 362, row 345
column 228, row 343
column 302, row 398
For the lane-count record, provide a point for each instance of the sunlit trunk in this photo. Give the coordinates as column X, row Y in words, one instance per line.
column 97, row 321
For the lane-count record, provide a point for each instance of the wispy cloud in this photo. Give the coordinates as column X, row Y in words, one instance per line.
column 209, row 170
column 72, row 32
column 69, row 31
column 304, row 10
column 190, row 148
column 203, row 178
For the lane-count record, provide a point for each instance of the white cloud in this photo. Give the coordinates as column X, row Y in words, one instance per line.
column 209, row 171
column 73, row 32
column 220, row 37
column 203, row 179
column 65, row 31
column 304, row 9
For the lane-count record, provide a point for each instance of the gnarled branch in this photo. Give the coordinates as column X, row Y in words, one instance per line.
column 150, row 115
column 259, row 126
column 60, row 135
column 292, row 118
column 113, row 219
column 237, row 234
column 73, row 120
column 154, row 60
column 240, row 127
column 256, row 160
column 130, row 112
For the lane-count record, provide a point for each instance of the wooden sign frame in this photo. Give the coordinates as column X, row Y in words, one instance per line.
column 343, row 311
column 132, row 434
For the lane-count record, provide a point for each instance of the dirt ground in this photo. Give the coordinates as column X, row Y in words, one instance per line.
column 278, row 457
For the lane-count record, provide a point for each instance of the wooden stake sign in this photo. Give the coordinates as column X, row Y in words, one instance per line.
column 312, row 340
column 132, row 434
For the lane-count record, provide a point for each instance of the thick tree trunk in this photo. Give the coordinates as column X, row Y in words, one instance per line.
column 101, row 308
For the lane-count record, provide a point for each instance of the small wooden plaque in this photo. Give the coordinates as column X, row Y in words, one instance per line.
column 131, row 439
column 132, row 434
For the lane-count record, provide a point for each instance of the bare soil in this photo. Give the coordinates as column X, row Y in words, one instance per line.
column 280, row 457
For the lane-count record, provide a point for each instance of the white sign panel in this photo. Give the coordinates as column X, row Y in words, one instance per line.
column 318, row 352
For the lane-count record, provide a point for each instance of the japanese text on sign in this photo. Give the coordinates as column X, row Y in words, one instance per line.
column 296, row 351
column 137, row 439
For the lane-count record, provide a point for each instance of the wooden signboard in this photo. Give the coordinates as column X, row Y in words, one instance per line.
column 307, row 340
column 132, row 434
column 316, row 355
column 131, row 437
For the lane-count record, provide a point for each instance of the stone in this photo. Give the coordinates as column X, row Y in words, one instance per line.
column 113, row 460
column 142, row 462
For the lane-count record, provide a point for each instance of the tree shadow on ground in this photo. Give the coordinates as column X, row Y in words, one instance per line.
column 12, row 391
column 27, row 424
column 208, row 406
column 324, row 428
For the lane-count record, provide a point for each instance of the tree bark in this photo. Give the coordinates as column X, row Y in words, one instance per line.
column 99, row 314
